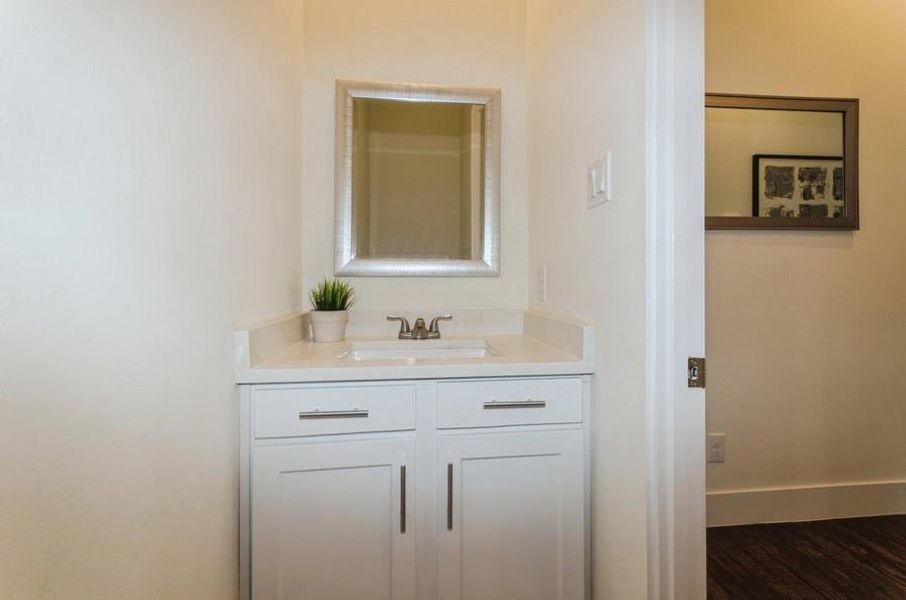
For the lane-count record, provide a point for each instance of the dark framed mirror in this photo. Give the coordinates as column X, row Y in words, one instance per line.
column 776, row 162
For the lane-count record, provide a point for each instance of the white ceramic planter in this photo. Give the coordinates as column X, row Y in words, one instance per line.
column 329, row 325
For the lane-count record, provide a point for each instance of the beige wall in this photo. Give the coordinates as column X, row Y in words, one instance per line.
column 583, row 101
column 150, row 202
column 733, row 136
column 807, row 330
column 468, row 42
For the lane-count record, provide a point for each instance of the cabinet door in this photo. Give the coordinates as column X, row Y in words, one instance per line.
column 333, row 521
column 511, row 516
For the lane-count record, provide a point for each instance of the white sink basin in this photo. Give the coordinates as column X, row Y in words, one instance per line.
column 412, row 350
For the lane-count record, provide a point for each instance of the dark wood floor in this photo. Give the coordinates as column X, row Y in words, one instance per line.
column 852, row 559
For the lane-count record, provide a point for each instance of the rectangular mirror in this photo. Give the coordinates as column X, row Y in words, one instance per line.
column 417, row 171
column 781, row 163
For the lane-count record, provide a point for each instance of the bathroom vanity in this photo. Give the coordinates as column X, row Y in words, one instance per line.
column 436, row 469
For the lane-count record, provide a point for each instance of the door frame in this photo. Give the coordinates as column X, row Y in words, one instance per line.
column 675, row 298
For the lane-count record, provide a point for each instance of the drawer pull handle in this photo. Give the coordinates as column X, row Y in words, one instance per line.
column 493, row 404
column 355, row 413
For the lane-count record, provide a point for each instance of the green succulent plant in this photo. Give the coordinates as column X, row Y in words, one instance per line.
column 332, row 295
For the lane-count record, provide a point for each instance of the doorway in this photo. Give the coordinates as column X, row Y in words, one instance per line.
column 805, row 320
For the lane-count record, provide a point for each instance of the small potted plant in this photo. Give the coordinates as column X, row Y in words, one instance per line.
column 330, row 301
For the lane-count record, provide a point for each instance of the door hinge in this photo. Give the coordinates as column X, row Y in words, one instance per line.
column 696, row 372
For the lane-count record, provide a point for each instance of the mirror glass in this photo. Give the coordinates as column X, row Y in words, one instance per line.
column 417, row 180
column 773, row 163
column 767, row 166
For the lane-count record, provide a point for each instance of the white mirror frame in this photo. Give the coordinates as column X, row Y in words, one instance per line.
column 344, row 245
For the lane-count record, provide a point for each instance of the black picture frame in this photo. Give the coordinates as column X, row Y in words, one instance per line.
column 756, row 176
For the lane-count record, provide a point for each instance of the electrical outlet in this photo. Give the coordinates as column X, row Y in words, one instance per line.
column 717, row 447
column 542, row 284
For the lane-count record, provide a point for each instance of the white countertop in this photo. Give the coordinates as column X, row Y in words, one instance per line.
column 277, row 353
column 309, row 361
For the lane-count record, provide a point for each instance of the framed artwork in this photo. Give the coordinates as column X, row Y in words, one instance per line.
column 792, row 186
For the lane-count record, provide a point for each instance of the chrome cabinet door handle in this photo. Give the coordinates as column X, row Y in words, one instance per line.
column 403, row 499
column 355, row 413
column 449, row 496
column 527, row 403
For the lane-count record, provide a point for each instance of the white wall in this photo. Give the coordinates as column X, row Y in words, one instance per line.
column 586, row 90
column 149, row 193
column 467, row 42
column 807, row 330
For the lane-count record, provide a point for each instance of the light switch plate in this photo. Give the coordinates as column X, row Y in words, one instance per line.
column 598, row 180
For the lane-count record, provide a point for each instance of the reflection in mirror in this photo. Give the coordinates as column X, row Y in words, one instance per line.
column 780, row 162
column 765, row 163
column 417, row 180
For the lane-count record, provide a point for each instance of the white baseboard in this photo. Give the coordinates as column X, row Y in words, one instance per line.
column 806, row 503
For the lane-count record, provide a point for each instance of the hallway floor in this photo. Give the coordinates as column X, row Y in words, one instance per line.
column 851, row 559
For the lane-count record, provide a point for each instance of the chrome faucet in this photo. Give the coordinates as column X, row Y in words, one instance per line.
column 419, row 331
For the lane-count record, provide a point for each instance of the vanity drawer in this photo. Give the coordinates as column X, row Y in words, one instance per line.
column 290, row 412
column 511, row 402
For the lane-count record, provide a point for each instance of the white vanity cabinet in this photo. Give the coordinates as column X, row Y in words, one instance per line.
column 459, row 489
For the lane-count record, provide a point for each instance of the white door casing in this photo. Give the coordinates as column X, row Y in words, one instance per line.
column 675, row 299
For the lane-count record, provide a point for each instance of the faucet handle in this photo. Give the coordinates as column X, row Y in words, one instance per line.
column 404, row 323
column 434, row 323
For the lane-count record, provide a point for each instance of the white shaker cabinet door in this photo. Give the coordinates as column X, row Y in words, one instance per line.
column 333, row 521
column 511, row 514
